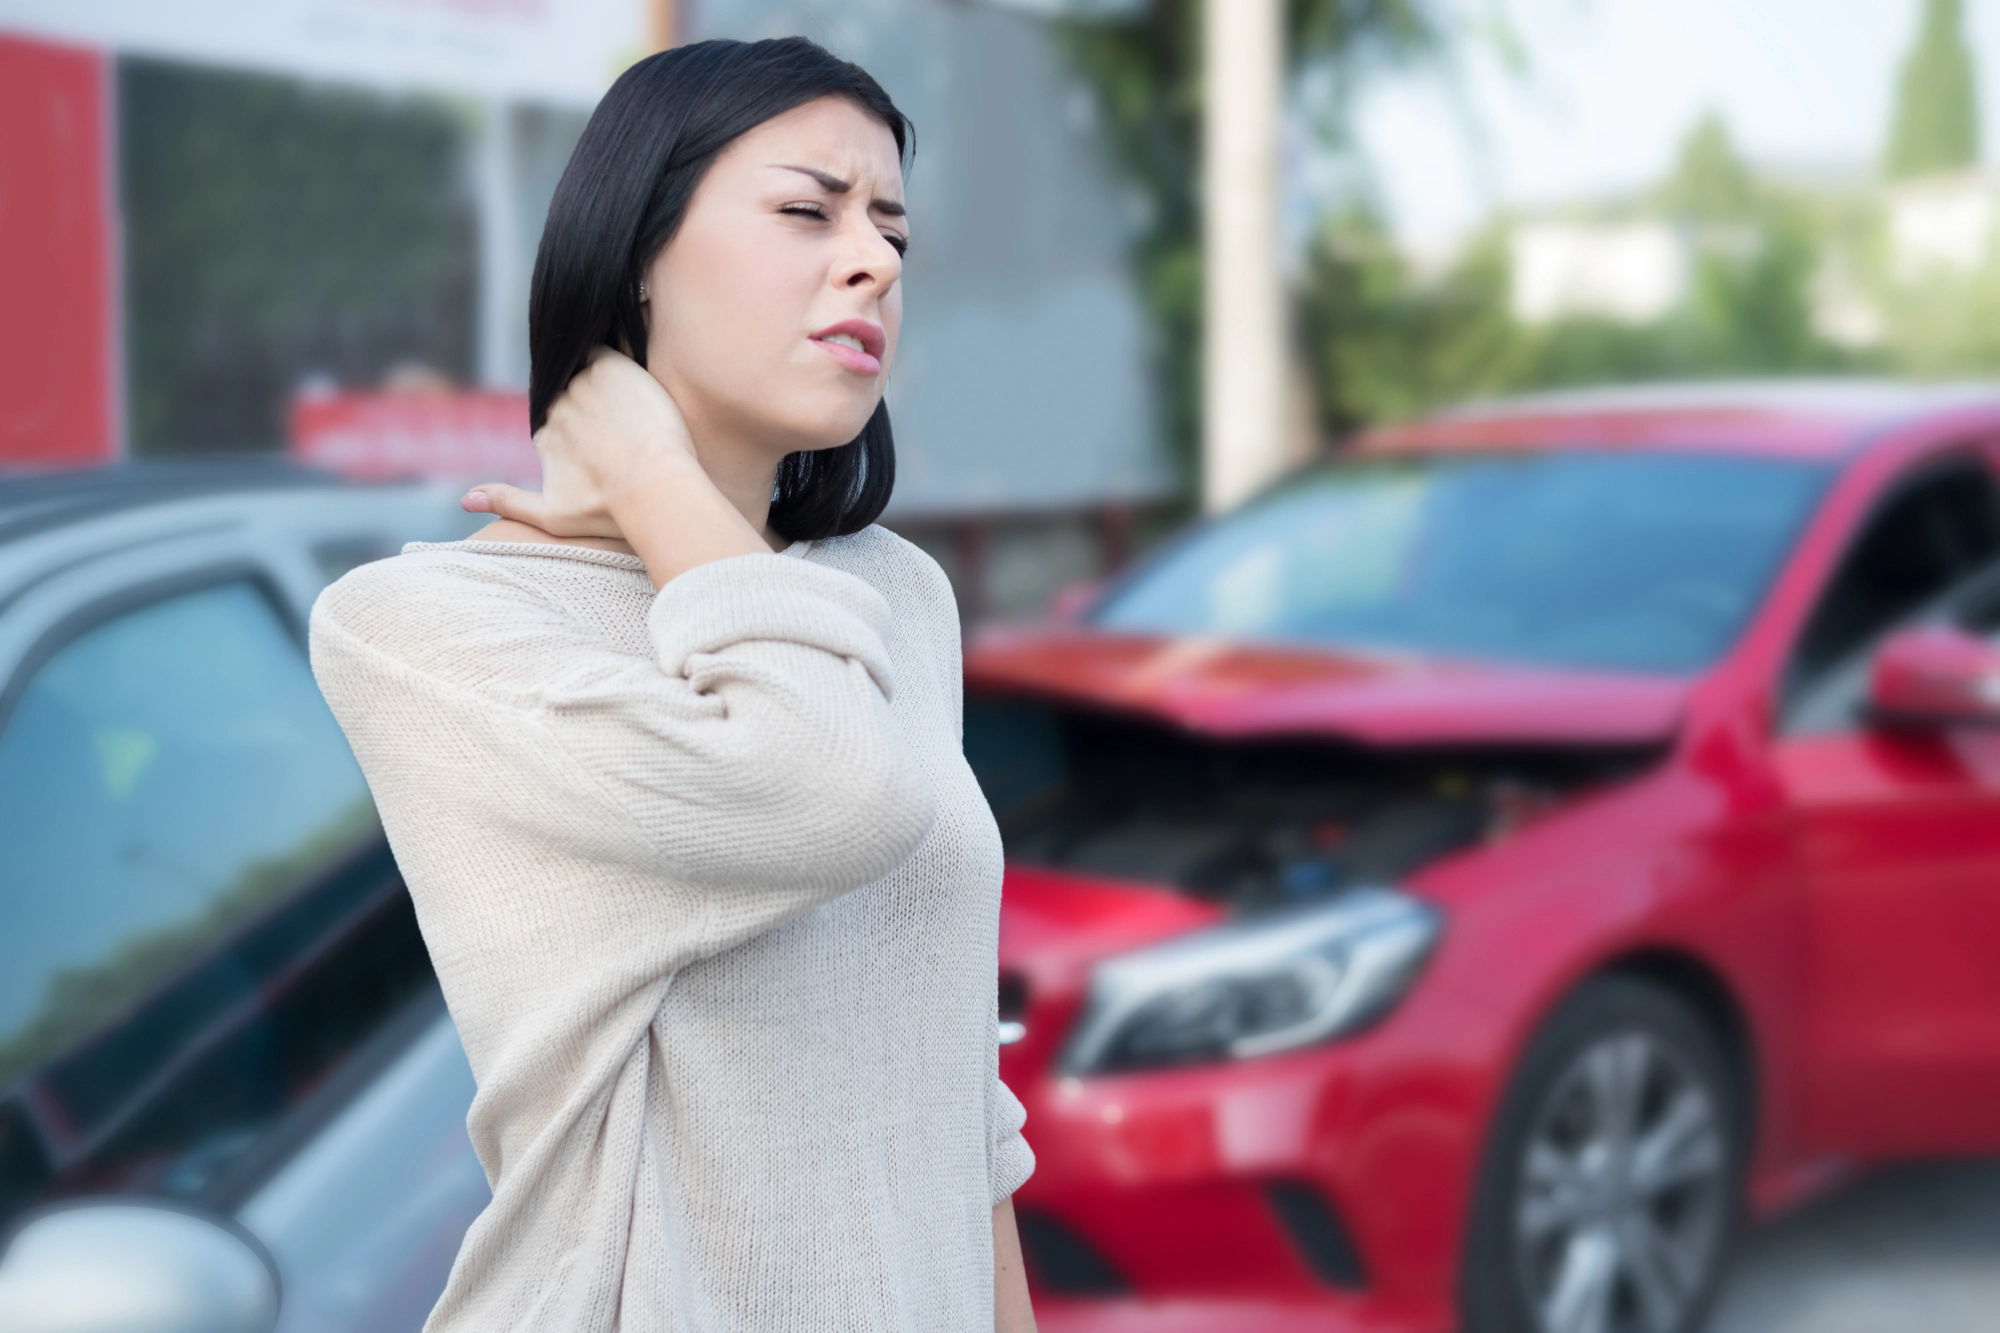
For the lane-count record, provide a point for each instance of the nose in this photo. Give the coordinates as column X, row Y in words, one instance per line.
column 866, row 259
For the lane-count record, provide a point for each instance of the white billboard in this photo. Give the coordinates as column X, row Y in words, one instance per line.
column 553, row 51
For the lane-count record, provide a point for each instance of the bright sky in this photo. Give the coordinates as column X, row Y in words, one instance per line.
column 1613, row 85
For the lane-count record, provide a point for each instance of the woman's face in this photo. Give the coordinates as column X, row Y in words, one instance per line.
column 771, row 316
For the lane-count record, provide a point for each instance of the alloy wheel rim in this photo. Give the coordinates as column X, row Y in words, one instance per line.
column 1622, row 1192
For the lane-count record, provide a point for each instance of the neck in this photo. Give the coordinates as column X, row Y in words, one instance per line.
column 742, row 466
column 745, row 473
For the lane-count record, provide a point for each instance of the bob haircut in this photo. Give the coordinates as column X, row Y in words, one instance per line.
column 621, row 199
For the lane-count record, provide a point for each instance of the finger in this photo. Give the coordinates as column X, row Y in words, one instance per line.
column 503, row 501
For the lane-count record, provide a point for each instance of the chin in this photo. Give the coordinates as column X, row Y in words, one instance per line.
column 824, row 430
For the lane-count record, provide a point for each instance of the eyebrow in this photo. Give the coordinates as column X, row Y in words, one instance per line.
column 835, row 185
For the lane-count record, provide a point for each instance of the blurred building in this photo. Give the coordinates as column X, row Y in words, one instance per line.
column 234, row 224
column 1631, row 272
column 1942, row 225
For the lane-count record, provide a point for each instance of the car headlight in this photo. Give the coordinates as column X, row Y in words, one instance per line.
column 1264, row 983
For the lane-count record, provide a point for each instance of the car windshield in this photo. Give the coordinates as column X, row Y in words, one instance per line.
column 1597, row 559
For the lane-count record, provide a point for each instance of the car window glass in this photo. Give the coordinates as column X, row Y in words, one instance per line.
column 1602, row 559
column 1929, row 536
column 163, row 777
column 1976, row 610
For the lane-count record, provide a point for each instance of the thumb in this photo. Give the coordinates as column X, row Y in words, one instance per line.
column 503, row 501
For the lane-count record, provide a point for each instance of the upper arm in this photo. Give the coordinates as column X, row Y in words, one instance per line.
column 752, row 748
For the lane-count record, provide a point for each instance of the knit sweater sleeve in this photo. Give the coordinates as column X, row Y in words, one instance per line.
column 1009, row 1159
column 751, row 756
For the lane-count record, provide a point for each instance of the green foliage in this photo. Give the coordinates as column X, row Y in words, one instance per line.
column 275, row 229
column 1747, row 314
column 1937, row 114
column 1710, row 182
column 1387, row 345
column 1384, row 346
column 1944, row 325
column 1384, row 343
column 1146, row 72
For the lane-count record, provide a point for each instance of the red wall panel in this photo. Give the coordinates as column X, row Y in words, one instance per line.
column 58, row 388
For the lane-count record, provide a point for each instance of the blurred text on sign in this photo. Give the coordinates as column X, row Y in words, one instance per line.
column 458, row 436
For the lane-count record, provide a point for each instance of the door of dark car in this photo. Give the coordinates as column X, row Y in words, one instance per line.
column 200, row 915
column 1898, row 837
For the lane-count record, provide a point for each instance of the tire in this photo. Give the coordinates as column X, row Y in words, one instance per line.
column 1611, row 1186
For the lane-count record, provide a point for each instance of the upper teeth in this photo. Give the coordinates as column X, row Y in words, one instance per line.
column 845, row 340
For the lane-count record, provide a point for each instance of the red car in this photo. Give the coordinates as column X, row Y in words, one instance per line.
column 1456, row 889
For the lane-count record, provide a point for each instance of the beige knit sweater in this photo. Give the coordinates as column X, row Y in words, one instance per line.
column 713, row 897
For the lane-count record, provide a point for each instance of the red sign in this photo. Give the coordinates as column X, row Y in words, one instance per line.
column 57, row 346
column 455, row 437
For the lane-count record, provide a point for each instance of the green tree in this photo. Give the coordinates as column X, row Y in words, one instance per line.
column 1747, row 313
column 1944, row 325
column 1145, row 66
column 1387, row 344
column 1384, row 345
column 1710, row 183
column 1936, row 126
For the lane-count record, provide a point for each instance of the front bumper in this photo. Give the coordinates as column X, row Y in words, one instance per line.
column 1275, row 1193
column 1324, row 1187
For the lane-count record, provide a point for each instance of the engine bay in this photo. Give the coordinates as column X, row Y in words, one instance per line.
column 1254, row 822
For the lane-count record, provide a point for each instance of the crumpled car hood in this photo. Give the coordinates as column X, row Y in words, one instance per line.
column 1234, row 689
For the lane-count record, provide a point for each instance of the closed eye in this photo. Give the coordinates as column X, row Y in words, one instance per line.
column 901, row 244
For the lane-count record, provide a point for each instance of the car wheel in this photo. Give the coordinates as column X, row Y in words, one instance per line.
column 1611, row 1184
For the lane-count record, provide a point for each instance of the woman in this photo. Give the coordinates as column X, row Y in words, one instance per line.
column 669, row 755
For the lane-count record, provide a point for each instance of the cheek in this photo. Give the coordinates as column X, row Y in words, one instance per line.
column 727, row 337
column 732, row 309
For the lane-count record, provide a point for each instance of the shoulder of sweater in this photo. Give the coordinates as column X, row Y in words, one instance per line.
column 462, row 617
column 434, row 577
column 899, row 569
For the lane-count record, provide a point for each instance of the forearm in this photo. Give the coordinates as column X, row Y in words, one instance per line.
column 1012, row 1311
column 675, row 518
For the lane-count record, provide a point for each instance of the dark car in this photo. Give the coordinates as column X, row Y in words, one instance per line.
column 212, row 986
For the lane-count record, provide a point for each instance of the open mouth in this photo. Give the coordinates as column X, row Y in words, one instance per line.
column 855, row 343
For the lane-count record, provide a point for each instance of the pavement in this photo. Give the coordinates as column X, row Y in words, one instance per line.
column 1913, row 1249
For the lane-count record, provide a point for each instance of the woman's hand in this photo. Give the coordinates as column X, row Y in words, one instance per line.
column 610, row 431
column 618, row 464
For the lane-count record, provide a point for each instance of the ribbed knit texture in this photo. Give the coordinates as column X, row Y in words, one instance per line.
column 713, row 898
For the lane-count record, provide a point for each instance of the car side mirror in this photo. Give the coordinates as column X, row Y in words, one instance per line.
column 1934, row 676
column 135, row 1266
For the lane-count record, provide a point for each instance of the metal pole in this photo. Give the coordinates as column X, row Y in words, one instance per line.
column 1243, row 342
column 503, row 281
